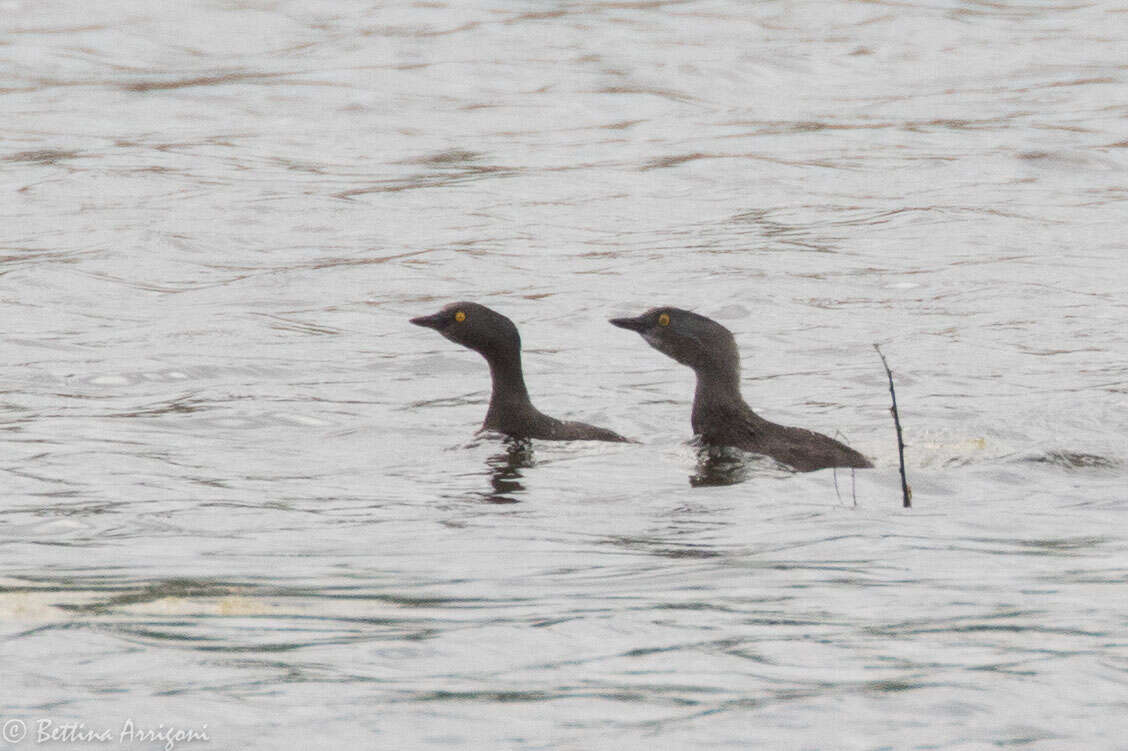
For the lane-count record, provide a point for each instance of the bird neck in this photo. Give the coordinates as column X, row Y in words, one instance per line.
column 510, row 399
column 717, row 399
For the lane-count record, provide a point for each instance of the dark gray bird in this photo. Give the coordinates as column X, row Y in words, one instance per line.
column 511, row 412
column 721, row 417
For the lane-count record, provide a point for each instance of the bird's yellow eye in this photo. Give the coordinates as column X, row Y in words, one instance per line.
column 664, row 319
column 460, row 316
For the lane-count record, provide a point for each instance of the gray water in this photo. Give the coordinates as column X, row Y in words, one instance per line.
column 243, row 497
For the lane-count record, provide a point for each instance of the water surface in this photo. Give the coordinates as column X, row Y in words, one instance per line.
column 242, row 494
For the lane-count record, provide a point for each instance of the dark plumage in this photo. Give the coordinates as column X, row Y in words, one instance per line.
column 495, row 338
column 720, row 415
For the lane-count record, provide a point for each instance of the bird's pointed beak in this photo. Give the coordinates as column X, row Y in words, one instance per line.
column 432, row 322
column 633, row 324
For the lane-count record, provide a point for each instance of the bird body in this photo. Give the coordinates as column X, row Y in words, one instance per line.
column 511, row 411
column 720, row 416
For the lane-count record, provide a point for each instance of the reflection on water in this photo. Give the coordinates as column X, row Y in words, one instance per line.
column 505, row 471
column 725, row 465
column 231, row 498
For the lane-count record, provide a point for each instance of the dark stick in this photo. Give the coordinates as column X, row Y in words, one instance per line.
column 906, row 491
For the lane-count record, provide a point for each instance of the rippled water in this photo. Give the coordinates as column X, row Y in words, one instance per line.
column 243, row 496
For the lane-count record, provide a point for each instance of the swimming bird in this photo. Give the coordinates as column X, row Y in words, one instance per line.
column 511, row 412
column 721, row 417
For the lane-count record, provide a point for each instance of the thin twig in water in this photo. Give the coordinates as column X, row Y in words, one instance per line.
column 853, row 486
column 906, row 491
